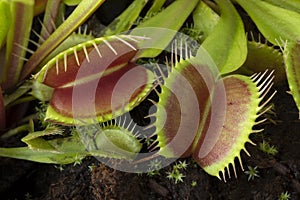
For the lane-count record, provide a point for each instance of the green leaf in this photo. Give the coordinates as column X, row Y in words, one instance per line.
column 72, row 2
column 5, row 20
column 163, row 27
column 262, row 57
column 292, row 63
column 78, row 16
column 156, row 6
column 25, row 153
column 293, row 5
column 205, row 19
column 275, row 23
column 17, row 40
column 50, row 16
column 227, row 43
column 126, row 19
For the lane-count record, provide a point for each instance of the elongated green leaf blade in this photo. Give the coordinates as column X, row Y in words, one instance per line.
column 275, row 23
column 290, row 4
column 50, row 17
column 227, row 43
column 17, row 41
column 5, row 21
column 171, row 18
column 25, row 153
column 125, row 20
column 156, row 6
column 205, row 19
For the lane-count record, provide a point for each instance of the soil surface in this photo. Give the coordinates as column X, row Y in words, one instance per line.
column 93, row 180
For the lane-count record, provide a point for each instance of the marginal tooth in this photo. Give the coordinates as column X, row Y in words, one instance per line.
column 20, row 57
column 241, row 163
column 160, row 71
column 131, row 37
column 149, row 126
column 228, row 171
column 137, row 135
column 111, row 48
column 234, row 170
column 176, row 56
column 39, row 36
column 34, row 42
column 152, row 101
column 264, row 111
column 261, row 77
column 181, row 49
column 85, row 30
column 186, row 51
column 152, row 146
column 245, row 150
column 169, row 68
column 268, row 100
column 267, row 82
column 135, row 38
column 128, row 126
column 257, row 131
column 46, row 71
column 155, row 90
column 118, row 122
column 150, row 115
column 53, row 24
column 97, row 49
column 86, row 53
column 44, row 28
column 260, row 122
column 251, row 142
column 125, row 42
column 266, row 89
column 56, row 65
column 223, row 174
column 76, row 57
column 24, row 48
column 218, row 176
column 124, row 122
column 65, row 62
column 255, row 76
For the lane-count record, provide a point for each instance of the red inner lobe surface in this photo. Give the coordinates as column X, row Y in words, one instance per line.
column 102, row 96
column 96, row 63
column 188, row 112
column 229, row 130
column 54, row 79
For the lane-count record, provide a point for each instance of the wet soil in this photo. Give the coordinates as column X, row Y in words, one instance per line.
column 93, row 180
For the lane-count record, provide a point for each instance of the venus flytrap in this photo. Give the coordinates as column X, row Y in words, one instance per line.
column 214, row 137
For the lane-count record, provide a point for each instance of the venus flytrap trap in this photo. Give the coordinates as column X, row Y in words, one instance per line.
column 244, row 95
column 79, row 69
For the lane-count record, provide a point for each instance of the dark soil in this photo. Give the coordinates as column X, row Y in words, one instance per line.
column 277, row 174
